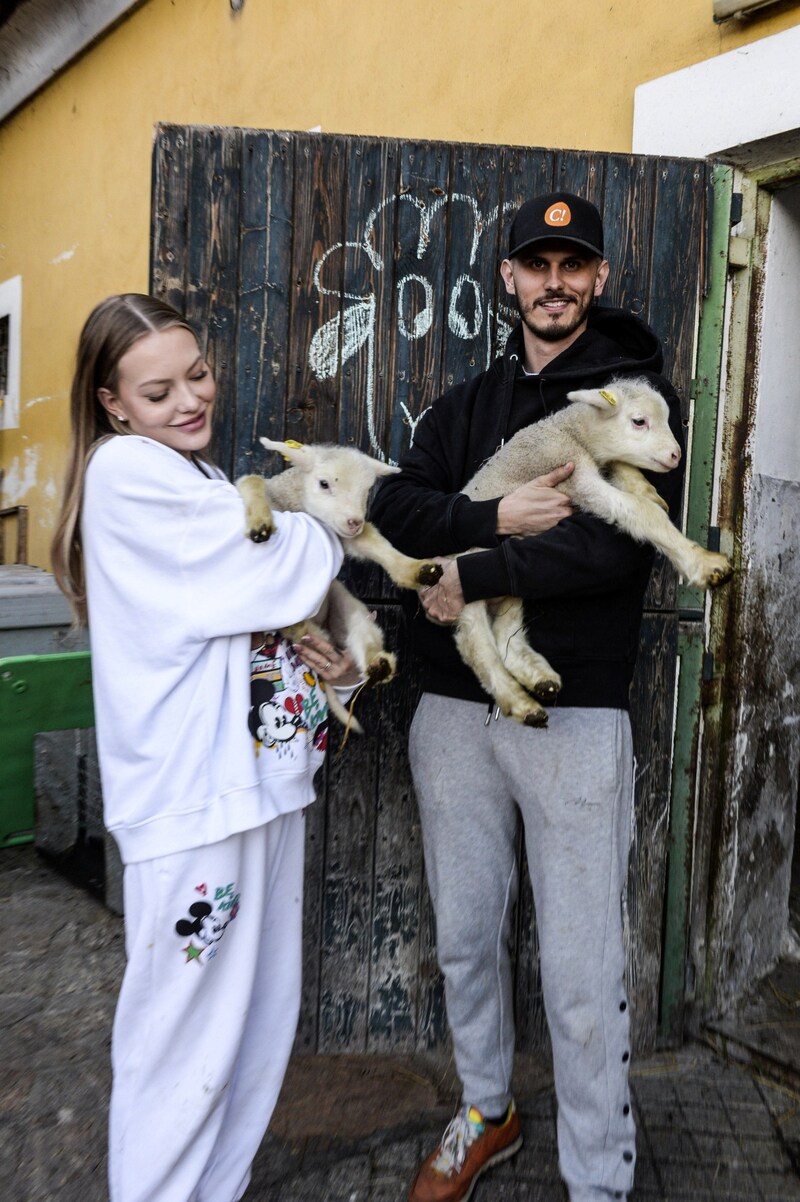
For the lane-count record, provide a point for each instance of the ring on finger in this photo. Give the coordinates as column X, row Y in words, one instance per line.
column 328, row 666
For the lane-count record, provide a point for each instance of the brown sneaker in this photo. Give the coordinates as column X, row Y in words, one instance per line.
column 469, row 1147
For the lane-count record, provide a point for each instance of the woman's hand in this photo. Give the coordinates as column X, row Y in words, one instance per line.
column 536, row 506
column 330, row 664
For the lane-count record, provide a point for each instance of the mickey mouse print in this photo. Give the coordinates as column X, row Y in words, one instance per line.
column 288, row 711
column 208, row 921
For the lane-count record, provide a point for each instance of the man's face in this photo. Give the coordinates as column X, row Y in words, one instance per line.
column 553, row 285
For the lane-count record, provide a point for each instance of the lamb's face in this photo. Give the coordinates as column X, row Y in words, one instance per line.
column 630, row 424
column 332, row 483
column 337, row 489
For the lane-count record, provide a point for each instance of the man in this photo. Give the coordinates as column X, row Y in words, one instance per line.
column 475, row 773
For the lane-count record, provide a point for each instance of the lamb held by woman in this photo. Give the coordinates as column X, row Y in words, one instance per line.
column 333, row 484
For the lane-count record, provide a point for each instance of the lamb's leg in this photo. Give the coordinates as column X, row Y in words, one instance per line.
column 294, row 634
column 647, row 523
column 258, row 521
column 477, row 648
column 404, row 571
column 530, row 668
column 352, row 627
column 339, row 710
column 631, row 480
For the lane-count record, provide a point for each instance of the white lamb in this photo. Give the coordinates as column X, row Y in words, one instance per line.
column 609, row 434
column 333, row 484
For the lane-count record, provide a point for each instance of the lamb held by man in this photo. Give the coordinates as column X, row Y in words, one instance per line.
column 610, row 434
column 332, row 484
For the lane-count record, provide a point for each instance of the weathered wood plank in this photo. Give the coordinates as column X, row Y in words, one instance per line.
column 472, row 262
column 628, row 217
column 398, row 868
column 169, row 214
column 262, row 333
column 315, row 329
column 679, row 205
column 652, row 706
column 307, row 1039
column 367, row 310
column 419, row 277
column 629, row 206
column 212, row 268
column 346, row 936
column 580, row 172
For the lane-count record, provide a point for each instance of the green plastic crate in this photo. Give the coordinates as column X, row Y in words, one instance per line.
column 37, row 693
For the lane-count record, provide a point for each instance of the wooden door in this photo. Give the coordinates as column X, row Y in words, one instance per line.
column 341, row 284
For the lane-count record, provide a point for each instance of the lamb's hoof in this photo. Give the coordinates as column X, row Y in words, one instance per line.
column 260, row 534
column 546, row 691
column 381, row 670
column 535, row 718
column 720, row 575
column 429, row 573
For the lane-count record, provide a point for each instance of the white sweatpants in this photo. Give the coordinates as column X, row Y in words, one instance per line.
column 207, row 1013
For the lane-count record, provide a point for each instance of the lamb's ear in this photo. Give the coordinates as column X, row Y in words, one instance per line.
column 293, row 452
column 385, row 469
column 604, row 399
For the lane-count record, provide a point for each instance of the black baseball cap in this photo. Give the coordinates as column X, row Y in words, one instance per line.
column 560, row 215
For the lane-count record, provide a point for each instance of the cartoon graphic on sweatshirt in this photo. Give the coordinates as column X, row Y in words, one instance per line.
column 287, row 703
column 273, row 718
column 207, row 923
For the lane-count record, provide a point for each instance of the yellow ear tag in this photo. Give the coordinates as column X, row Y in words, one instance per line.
column 296, row 446
column 608, row 396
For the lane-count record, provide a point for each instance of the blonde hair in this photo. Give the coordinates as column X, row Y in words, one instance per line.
column 110, row 331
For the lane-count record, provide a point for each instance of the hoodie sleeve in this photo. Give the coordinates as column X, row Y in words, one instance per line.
column 582, row 555
column 169, row 541
column 421, row 510
column 234, row 585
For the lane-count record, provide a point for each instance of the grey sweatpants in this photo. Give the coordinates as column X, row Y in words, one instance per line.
column 572, row 784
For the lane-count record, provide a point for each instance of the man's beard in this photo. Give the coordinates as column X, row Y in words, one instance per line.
column 548, row 329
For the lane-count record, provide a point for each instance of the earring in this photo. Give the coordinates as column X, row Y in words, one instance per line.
column 120, row 418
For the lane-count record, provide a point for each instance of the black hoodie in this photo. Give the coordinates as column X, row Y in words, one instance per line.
column 583, row 582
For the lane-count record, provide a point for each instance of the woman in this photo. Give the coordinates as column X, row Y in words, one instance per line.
column 150, row 547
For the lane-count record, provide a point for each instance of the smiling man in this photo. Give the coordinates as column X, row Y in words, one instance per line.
column 477, row 774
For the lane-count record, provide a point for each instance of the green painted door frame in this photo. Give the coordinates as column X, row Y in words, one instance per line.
column 694, row 672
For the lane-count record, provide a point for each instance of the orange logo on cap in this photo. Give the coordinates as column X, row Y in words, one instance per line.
column 558, row 214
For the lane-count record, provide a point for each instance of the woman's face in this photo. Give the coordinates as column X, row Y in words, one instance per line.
column 165, row 391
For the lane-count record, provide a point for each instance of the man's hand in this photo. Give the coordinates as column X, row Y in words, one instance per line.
column 536, row 506
column 444, row 601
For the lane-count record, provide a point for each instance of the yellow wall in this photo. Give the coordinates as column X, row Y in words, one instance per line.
column 75, row 161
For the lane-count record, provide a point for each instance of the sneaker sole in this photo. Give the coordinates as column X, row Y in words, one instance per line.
column 498, row 1158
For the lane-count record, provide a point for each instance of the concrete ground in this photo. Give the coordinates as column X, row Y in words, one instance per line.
column 347, row 1129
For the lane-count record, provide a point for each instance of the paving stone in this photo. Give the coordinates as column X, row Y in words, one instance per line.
column 386, row 1190
column 350, row 1178
column 399, row 1156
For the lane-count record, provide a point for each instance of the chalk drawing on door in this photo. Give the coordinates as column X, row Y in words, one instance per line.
column 470, row 313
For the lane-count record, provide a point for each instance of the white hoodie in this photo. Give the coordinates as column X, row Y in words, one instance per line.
column 175, row 589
